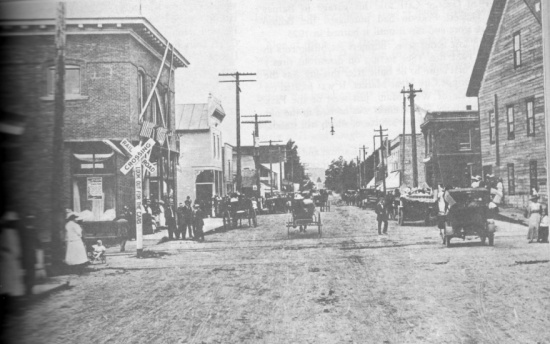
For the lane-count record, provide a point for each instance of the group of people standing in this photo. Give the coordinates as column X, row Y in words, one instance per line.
column 190, row 221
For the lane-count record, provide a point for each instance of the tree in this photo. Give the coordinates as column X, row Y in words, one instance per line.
column 294, row 170
column 341, row 175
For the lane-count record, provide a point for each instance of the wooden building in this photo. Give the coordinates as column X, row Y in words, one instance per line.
column 508, row 80
column 452, row 147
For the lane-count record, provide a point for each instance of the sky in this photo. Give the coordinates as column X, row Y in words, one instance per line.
column 316, row 60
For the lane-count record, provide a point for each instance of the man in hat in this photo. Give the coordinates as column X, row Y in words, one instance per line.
column 171, row 221
column 198, row 222
column 187, row 213
column 381, row 211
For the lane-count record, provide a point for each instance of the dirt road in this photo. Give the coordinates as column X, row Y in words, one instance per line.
column 254, row 285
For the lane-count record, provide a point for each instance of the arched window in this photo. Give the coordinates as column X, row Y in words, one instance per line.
column 142, row 90
column 72, row 80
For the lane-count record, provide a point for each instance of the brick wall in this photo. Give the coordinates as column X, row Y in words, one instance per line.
column 107, row 108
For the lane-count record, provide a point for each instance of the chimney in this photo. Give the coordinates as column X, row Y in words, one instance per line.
column 468, row 108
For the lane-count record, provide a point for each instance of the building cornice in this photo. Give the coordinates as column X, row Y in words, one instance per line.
column 139, row 28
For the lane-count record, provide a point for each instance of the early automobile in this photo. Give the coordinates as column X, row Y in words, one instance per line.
column 469, row 215
column 415, row 208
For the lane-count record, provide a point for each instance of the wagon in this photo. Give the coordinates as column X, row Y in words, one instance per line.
column 237, row 209
column 469, row 215
column 321, row 200
column 416, row 208
column 301, row 218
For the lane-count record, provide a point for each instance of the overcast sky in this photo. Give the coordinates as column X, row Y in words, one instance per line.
column 320, row 59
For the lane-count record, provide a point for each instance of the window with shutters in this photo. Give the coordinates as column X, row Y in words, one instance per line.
column 530, row 110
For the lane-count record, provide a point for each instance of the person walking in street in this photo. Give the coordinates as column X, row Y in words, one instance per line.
column 533, row 213
column 75, row 256
column 442, row 207
column 198, row 223
column 123, row 230
column 382, row 215
column 544, row 223
column 188, row 220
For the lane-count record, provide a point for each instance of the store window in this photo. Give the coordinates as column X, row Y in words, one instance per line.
column 93, row 182
column 72, row 80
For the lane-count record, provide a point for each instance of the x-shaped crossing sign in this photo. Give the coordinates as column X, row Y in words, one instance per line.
column 138, row 156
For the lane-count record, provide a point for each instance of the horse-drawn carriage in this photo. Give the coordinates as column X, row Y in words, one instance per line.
column 321, row 200
column 304, row 214
column 469, row 215
column 417, row 207
column 276, row 204
column 235, row 209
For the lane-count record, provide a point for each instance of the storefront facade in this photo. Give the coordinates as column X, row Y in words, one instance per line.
column 105, row 89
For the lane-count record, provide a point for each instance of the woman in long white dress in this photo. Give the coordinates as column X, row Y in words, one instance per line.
column 76, row 251
column 533, row 214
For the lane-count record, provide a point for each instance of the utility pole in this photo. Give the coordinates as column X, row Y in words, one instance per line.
column 374, row 160
column 412, row 93
column 381, row 136
column 358, row 173
column 58, row 146
column 271, row 163
column 363, row 165
column 404, row 139
column 237, row 81
column 256, row 139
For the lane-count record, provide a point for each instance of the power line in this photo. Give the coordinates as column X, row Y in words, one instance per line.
column 237, row 81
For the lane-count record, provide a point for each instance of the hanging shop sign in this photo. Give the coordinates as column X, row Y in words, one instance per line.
column 94, row 188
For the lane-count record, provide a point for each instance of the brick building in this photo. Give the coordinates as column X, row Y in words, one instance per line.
column 508, row 80
column 452, row 147
column 111, row 66
column 200, row 174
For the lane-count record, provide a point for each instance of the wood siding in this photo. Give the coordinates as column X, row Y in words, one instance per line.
column 514, row 86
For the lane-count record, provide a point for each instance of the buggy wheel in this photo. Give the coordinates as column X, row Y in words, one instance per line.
column 491, row 239
column 319, row 224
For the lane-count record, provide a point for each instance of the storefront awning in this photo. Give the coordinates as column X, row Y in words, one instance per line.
column 392, row 181
column 90, row 157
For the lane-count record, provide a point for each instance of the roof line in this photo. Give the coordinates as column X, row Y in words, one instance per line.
column 485, row 47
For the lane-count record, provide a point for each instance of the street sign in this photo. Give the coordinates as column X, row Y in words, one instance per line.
column 138, row 157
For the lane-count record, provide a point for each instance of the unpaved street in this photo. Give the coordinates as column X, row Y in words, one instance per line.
column 253, row 285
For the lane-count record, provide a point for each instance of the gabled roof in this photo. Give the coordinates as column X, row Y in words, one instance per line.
column 485, row 47
column 196, row 116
